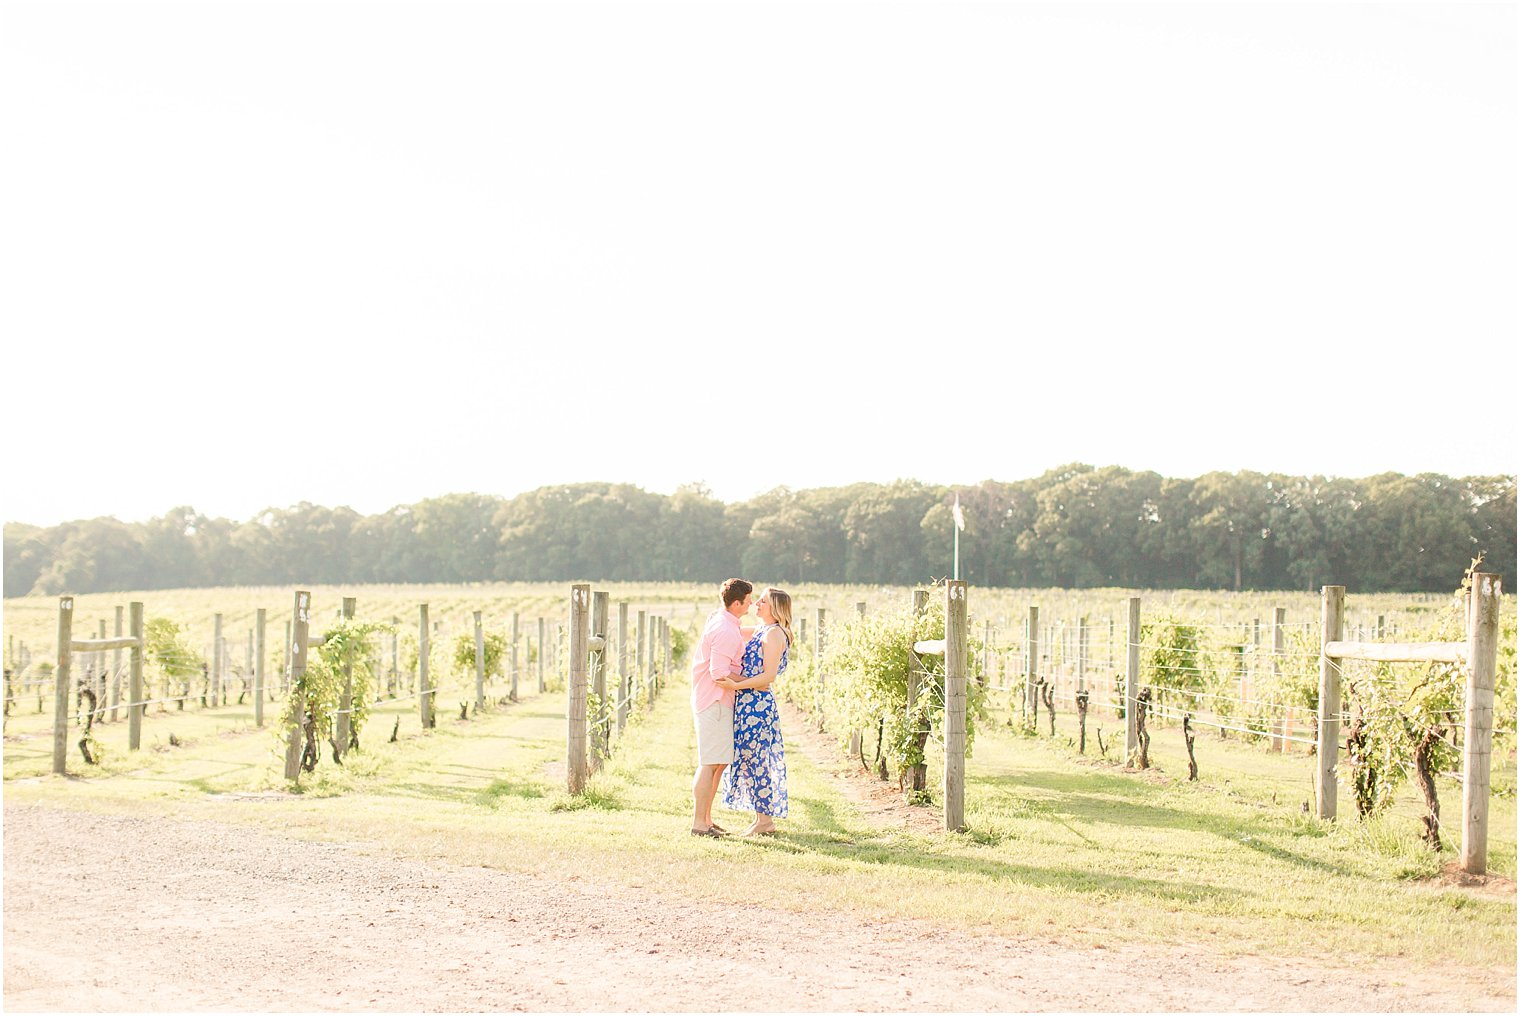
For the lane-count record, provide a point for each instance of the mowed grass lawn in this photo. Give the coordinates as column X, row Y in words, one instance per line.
column 1060, row 847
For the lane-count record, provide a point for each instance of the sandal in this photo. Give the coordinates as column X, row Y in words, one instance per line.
column 709, row 832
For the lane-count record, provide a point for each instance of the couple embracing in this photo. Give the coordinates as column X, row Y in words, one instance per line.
column 738, row 726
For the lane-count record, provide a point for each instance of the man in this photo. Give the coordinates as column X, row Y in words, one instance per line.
column 718, row 655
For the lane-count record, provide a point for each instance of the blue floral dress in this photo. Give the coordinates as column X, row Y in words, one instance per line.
column 757, row 779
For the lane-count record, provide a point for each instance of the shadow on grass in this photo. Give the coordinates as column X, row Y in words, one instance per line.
column 910, row 854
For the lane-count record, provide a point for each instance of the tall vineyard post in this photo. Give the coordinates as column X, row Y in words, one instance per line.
column 600, row 732
column 955, row 705
column 61, row 685
column 296, row 717
column 1132, row 681
column 516, row 637
column 344, row 733
column 1332, row 625
column 135, row 706
column 259, row 652
column 624, row 686
column 1031, row 660
column 580, row 622
column 480, row 663
column 1482, row 657
column 424, row 678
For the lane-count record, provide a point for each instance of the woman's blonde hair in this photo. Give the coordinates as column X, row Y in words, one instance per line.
column 781, row 607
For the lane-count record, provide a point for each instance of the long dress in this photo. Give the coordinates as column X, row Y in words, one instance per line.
column 756, row 781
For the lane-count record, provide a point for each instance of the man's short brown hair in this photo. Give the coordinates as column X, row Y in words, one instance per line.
column 735, row 590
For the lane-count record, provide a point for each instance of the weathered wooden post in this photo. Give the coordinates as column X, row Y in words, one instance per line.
column 955, row 705
column 601, row 739
column 623, row 677
column 424, row 683
column 480, row 665
column 640, row 651
column 855, row 742
column 543, row 650
column 135, row 694
column 1132, row 682
column 820, row 617
column 61, row 685
column 394, row 684
column 116, row 665
column 1031, row 662
column 986, row 653
column 344, row 733
column 218, row 690
column 1482, row 654
column 918, row 776
column 1276, row 726
column 285, row 673
column 1082, row 654
column 296, row 707
column 665, row 644
column 259, row 652
column 516, row 636
column 1332, row 623
column 580, row 617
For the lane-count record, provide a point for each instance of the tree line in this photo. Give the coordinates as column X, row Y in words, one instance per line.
column 1076, row 526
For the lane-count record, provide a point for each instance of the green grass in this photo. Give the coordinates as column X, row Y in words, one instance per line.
column 1060, row 847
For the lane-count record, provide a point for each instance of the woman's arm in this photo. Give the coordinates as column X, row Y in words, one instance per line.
column 771, row 649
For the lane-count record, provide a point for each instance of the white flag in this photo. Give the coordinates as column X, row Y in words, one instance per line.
column 960, row 520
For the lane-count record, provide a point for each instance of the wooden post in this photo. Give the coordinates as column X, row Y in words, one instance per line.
column 1132, row 681
column 285, row 674
column 1482, row 654
column 543, row 649
column 1279, row 620
column 344, row 733
column 955, row 705
column 986, row 654
column 135, row 677
column 480, row 665
column 424, row 687
column 516, row 636
column 640, row 652
column 1031, row 659
column 116, row 665
column 665, row 644
column 916, row 672
column 600, row 725
column 580, row 616
column 1082, row 654
column 218, row 696
column 259, row 652
column 296, row 708
column 819, row 621
column 1332, row 622
column 623, row 678
column 61, row 685
column 394, row 685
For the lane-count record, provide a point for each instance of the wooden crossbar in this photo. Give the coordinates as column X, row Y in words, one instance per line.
column 1398, row 652
column 99, row 645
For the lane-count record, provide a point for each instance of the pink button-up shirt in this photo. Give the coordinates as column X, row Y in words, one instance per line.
column 718, row 655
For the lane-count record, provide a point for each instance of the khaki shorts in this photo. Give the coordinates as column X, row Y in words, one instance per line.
column 715, row 735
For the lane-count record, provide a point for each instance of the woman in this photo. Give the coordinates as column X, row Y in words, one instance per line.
column 756, row 781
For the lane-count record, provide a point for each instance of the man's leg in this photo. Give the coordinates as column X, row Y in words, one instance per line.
column 702, row 788
column 712, row 793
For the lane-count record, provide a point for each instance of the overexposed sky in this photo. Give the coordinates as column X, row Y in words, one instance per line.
column 364, row 253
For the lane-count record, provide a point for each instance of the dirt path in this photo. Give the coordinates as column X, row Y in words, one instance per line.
column 121, row 913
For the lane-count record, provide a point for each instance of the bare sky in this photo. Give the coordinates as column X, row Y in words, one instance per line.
column 357, row 253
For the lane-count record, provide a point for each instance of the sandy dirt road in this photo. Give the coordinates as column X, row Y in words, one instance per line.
column 103, row 912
